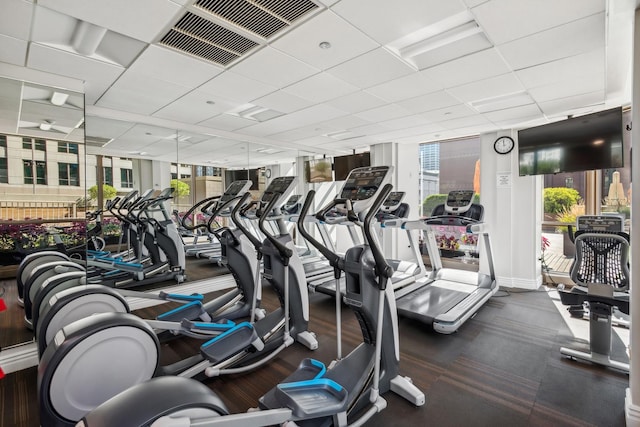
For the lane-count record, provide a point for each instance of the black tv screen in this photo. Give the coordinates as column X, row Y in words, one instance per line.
column 238, row 174
column 589, row 142
column 345, row 164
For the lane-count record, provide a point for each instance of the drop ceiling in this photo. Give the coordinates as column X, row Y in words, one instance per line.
column 233, row 80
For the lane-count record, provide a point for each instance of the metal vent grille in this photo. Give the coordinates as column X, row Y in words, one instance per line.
column 261, row 17
column 197, row 36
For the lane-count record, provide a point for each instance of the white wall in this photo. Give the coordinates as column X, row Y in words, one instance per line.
column 513, row 214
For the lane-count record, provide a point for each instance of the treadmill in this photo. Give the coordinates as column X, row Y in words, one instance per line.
column 448, row 297
column 390, row 215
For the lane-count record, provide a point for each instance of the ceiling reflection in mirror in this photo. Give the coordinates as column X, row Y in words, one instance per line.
column 39, row 111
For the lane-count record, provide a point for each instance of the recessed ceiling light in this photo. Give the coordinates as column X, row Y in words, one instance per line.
column 324, row 45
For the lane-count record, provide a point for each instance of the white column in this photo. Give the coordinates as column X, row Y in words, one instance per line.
column 632, row 401
column 513, row 213
column 406, row 177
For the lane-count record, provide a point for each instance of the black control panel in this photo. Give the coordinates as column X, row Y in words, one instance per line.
column 279, row 186
column 459, row 201
column 363, row 183
column 235, row 189
column 602, row 223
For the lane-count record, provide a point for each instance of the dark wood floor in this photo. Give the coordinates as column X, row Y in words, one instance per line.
column 503, row 368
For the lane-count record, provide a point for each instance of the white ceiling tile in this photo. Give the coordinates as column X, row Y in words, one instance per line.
column 564, row 69
column 303, row 42
column 465, row 121
column 572, row 104
column 106, row 128
column 97, row 75
column 269, row 65
column 170, row 66
column 567, row 40
column 320, row 87
column 314, row 114
column 344, row 122
column 372, row 68
column 410, row 86
column 477, row 66
column 140, row 93
column 449, row 113
column 474, row 3
column 487, row 88
column 526, row 17
column 356, row 102
column 428, row 102
column 372, row 129
column 137, row 22
column 194, row 108
column 234, row 87
column 16, row 24
column 580, row 84
column 227, row 122
column 283, row 102
column 405, row 122
column 14, row 51
column 514, row 113
column 385, row 21
column 386, row 112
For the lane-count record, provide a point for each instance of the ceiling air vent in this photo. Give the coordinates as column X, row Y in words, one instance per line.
column 205, row 39
column 261, row 17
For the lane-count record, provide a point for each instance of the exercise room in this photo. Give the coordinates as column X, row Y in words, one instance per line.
column 318, row 213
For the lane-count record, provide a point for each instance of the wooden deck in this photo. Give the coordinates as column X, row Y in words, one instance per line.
column 557, row 262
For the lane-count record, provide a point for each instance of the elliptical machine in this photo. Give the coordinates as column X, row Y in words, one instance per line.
column 118, row 350
column 346, row 393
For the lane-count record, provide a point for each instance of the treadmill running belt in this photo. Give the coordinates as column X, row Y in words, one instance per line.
column 427, row 303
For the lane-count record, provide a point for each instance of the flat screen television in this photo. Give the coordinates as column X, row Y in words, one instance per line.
column 318, row 170
column 238, row 174
column 345, row 164
column 589, row 142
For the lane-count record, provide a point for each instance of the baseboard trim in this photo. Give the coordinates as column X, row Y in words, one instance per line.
column 19, row 357
column 631, row 411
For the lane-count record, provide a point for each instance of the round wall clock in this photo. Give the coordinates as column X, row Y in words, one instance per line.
column 503, row 145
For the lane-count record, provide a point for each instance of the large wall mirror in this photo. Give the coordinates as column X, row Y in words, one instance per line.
column 42, row 170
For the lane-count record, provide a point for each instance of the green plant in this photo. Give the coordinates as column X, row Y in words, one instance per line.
column 569, row 216
column 108, row 192
column 180, row 188
column 560, row 199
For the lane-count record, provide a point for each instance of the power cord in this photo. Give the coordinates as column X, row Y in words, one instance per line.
column 2, row 291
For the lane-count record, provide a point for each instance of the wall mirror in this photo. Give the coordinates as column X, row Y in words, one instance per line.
column 42, row 170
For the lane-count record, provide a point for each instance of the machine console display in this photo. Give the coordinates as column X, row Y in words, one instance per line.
column 459, row 201
column 363, row 185
column 393, row 200
column 235, row 189
column 603, row 223
column 282, row 186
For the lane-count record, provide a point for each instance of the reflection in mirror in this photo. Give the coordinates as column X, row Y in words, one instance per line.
column 42, row 168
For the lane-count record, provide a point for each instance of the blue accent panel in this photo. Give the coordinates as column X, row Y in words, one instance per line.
column 214, row 326
column 183, row 297
column 128, row 264
column 228, row 332
column 312, row 383
column 111, row 272
column 318, row 364
column 179, row 309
